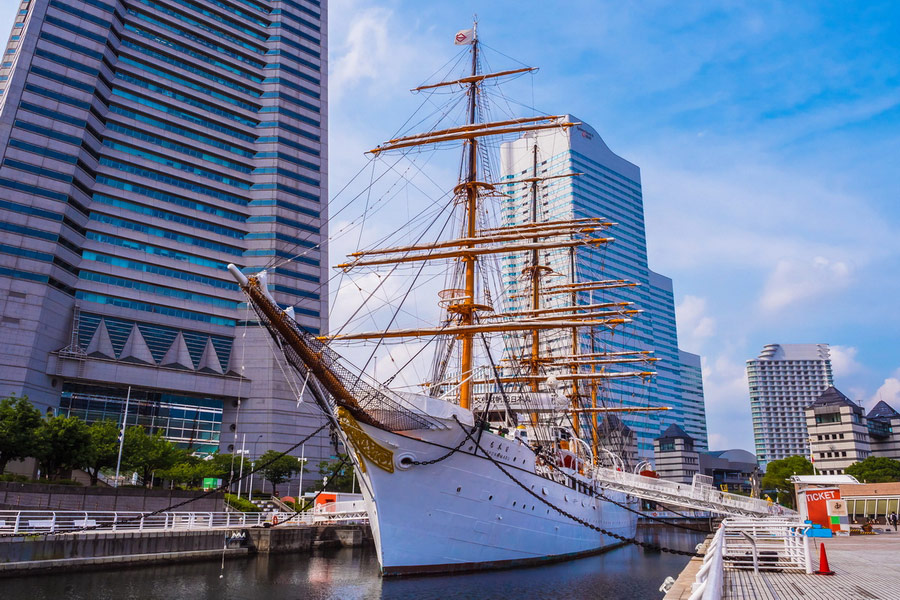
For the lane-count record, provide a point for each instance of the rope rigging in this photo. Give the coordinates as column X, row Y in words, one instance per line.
column 570, row 516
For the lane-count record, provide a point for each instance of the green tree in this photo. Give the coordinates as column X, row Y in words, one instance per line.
column 875, row 469
column 192, row 470
column 148, row 453
column 63, row 444
column 338, row 476
column 280, row 470
column 104, row 448
column 778, row 475
column 19, row 422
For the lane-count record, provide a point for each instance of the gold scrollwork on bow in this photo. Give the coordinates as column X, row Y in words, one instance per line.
column 380, row 456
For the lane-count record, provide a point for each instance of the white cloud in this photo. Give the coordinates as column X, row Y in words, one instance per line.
column 795, row 281
column 373, row 52
column 727, row 403
column 718, row 441
column 843, row 361
column 364, row 51
column 694, row 325
column 889, row 391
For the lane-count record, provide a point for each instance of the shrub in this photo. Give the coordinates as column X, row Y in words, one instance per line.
column 241, row 504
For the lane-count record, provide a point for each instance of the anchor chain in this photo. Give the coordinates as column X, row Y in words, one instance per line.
column 568, row 515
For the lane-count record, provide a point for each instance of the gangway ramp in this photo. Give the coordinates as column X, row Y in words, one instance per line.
column 699, row 495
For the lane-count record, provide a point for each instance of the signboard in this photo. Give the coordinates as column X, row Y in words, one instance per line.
column 211, row 483
column 817, row 500
column 837, row 508
column 236, row 538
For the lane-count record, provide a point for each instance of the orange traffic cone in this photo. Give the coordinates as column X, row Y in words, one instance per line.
column 823, row 562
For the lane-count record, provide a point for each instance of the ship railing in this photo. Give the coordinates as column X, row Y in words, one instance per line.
column 762, row 544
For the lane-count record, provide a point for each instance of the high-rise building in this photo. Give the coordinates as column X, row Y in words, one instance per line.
column 692, row 405
column 609, row 187
column 784, row 380
column 144, row 146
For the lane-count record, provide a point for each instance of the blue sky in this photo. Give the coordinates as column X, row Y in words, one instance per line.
column 768, row 135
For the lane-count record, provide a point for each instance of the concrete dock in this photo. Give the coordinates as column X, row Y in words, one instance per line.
column 867, row 567
column 107, row 549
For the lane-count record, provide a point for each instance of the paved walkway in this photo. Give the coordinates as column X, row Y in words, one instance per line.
column 867, row 567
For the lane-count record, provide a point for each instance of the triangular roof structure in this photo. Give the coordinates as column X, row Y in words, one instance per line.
column 674, row 432
column 100, row 344
column 136, row 349
column 209, row 360
column 883, row 411
column 177, row 355
column 833, row 397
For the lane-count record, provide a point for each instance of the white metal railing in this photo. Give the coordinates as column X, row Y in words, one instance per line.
column 711, row 577
column 758, row 544
column 27, row 522
column 698, row 496
column 765, row 544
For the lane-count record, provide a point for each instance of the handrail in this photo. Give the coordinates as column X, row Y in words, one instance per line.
column 700, row 496
column 29, row 522
column 776, row 542
column 710, row 578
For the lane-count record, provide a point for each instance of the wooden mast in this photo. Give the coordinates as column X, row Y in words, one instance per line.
column 575, row 398
column 535, row 279
column 467, row 312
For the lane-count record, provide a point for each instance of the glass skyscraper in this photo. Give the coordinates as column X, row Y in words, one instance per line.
column 144, row 145
column 609, row 187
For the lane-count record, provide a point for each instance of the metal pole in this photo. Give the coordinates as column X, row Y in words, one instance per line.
column 241, row 471
column 302, row 464
column 250, row 485
column 122, row 435
column 252, row 470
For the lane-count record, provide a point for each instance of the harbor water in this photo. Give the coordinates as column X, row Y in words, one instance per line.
column 627, row 573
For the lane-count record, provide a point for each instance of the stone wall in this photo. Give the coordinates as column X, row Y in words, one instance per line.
column 39, row 496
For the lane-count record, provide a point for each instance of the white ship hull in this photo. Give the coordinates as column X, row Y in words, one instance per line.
column 463, row 513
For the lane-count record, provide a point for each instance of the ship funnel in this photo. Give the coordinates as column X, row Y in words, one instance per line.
column 241, row 278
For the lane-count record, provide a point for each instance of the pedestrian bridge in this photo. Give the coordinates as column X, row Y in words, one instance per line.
column 700, row 495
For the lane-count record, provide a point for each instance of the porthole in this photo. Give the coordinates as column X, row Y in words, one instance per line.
column 405, row 461
column 490, row 497
column 514, row 503
column 458, row 490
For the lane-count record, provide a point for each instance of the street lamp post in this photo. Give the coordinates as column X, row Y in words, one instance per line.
column 302, row 460
column 241, row 470
column 252, row 470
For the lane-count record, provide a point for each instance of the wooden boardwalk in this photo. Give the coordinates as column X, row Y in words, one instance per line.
column 866, row 567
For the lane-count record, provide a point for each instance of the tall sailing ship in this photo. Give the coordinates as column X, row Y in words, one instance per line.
column 493, row 464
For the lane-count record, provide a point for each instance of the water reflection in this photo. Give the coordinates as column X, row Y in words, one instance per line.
column 351, row 574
